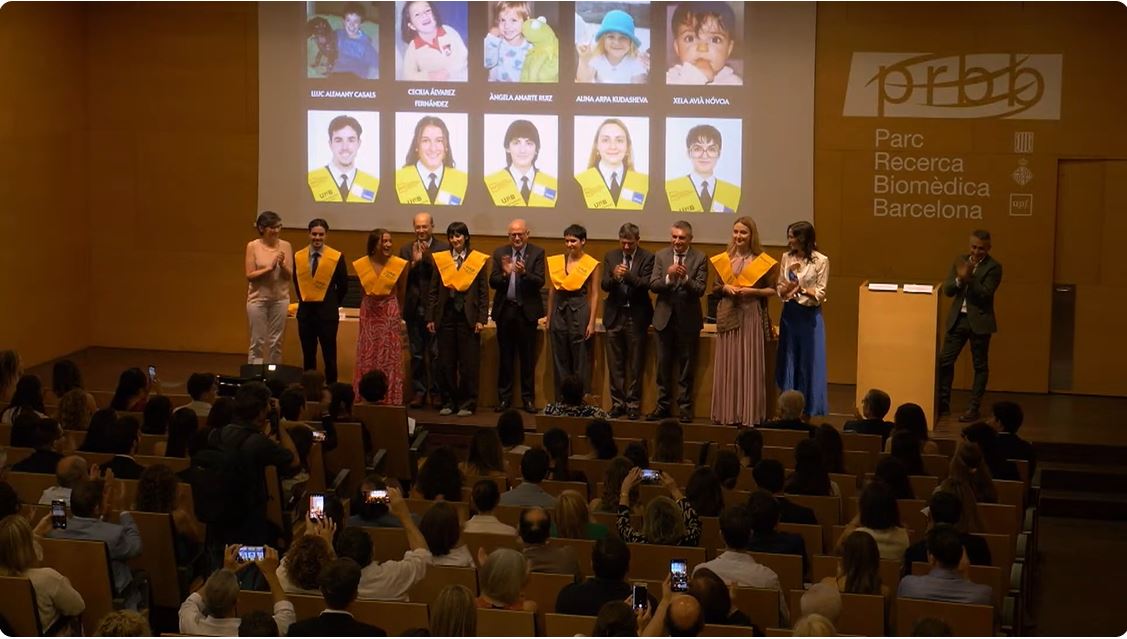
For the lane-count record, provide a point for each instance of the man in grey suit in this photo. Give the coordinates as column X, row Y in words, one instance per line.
column 944, row 582
column 627, row 313
column 679, row 276
column 972, row 281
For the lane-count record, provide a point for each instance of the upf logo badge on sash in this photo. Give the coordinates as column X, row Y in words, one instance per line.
column 1016, row 86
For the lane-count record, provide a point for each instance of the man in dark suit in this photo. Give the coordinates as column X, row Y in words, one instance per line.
column 769, row 476
column 679, row 276
column 339, row 581
column 874, row 406
column 516, row 279
column 424, row 353
column 765, row 535
column 125, row 436
column 45, row 436
column 627, row 313
column 946, row 508
column 319, row 298
column 972, row 281
column 1007, row 419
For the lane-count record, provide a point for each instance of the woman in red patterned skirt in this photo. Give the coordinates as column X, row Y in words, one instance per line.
column 379, row 345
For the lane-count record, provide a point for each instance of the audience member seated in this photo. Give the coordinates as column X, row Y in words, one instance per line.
column 316, row 394
column 613, row 476
column 158, row 492
column 184, row 435
column 502, row 578
column 671, row 522
column 304, row 560
column 879, row 515
column 11, row 368
column 704, row 492
column 510, row 428
column 892, row 471
column 373, row 387
column 202, row 389
column 303, row 524
column 123, row 623
column 65, row 377
column 600, row 439
column 874, row 407
column 368, row 512
column 68, row 473
column 911, row 417
column 97, row 438
column 905, row 446
column 610, row 561
column 716, row 600
column 487, row 457
column 90, row 501
column 125, row 436
column 573, row 519
column 222, row 412
column 533, row 470
column 543, row 555
column 735, row 565
column 969, row 519
column 969, row 467
column 749, row 447
column 571, row 401
column 259, row 623
column 1007, row 418
column 618, row 619
column 810, row 476
column 442, row 531
column 833, row 448
column 453, row 613
column 986, row 438
column 858, row 570
column 390, row 580
column 558, row 445
column 765, row 535
column 814, row 626
column 944, row 582
column 669, row 442
column 677, row 615
column 212, row 610
column 291, row 406
column 9, row 500
column 791, row 409
column 27, row 400
column 158, row 411
column 338, row 581
column 76, row 407
column 54, row 595
column 638, row 453
column 485, row 498
column 439, row 477
column 821, row 599
column 931, row 627
column 132, row 392
column 944, row 508
column 727, row 467
column 768, row 475
column 49, row 443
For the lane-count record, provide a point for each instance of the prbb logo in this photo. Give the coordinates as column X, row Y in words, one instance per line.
column 971, row 85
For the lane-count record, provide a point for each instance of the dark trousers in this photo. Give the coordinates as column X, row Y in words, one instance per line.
column 313, row 328
column 570, row 352
column 626, row 357
column 953, row 343
column 425, row 376
column 516, row 337
column 677, row 351
column 459, row 353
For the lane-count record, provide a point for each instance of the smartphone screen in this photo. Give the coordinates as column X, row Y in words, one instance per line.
column 58, row 514
column 317, row 506
column 251, row 553
column 152, row 372
column 318, row 435
column 639, row 598
column 650, row 475
column 377, row 497
column 679, row 568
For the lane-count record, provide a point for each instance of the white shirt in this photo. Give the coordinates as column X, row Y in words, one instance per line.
column 338, row 171
column 459, row 557
column 54, row 492
column 54, row 596
column 697, row 179
column 621, row 73
column 742, row 569
column 488, row 524
column 424, row 173
column 202, row 409
column 517, row 175
column 390, row 580
column 678, row 258
column 607, row 171
column 193, row 621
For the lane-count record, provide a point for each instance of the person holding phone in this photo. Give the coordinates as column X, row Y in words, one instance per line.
column 670, row 522
column 736, row 565
column 212, row 611
column 610, row 561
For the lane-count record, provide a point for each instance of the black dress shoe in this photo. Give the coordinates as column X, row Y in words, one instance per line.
column 686, row 419
column 969, row 416
column 632, row 414
column 530, row 408
column 616, row 412
column 657, row 415
column 502, row 407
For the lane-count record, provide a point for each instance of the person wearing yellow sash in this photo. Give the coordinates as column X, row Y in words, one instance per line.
column 267, row 268
column 521, row 183
column 340, row 180
column 321, row 280
column 428, row 175
column 457, row 310
column 572, row 300
column 745, row 275
column 379, row 346
column 701, row 190
column 610, row 181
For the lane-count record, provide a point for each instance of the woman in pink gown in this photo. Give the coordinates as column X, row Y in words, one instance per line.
column 380, row 343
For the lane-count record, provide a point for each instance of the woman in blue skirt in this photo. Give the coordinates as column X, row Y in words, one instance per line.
column 801, row 360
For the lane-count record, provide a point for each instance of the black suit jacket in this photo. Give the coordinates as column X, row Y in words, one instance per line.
column 792, row 513
column 870, row 427
column 476, row 301
column 679, row 302
column 978, row 293
column 334, row 624
column 419, row 278
column 124, row 468
column 788, row 424
column 334, row 295
column 781, row 543
column 40, row 461
column 978, row 552
column 637, row 281
column 528, row 285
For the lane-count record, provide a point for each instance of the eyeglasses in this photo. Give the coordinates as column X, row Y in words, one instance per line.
column 711, row 151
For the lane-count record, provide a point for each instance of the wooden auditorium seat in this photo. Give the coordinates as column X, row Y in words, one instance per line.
column 87, row 565
column 20, row 610
column 505, row 623
column 437, row 578
column 965, row 620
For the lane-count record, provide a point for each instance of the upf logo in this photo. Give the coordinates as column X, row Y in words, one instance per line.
column 976, row 85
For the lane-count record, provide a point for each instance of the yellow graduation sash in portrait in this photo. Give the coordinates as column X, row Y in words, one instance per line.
column 750, row 274
column 410, row 189
column 684, row 198
column 325, row 188
column 597, row 194
column 381, row 283
column 504, row 190
column 459, row 279
column 572, row 281
column 313, row 287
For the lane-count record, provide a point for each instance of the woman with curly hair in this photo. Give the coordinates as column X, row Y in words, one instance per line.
column 158, row 492
column 303, row 563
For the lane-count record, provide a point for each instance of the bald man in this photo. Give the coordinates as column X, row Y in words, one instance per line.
column 70, row 470
column 516, row 280
column 424, row 376
column 684, row 618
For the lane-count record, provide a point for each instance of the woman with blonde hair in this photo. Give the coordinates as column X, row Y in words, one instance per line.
column 19, row 557
column 453, row 613
column 610, row 181
column 503, row 575
column 666, row 522
column 573, row 519
column 969, row 465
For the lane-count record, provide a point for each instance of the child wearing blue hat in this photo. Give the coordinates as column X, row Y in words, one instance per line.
column 615, row 57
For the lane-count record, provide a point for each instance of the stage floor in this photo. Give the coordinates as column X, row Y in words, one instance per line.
column 1073, row 419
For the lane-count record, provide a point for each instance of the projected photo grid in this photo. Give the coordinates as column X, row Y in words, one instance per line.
column 629, row 110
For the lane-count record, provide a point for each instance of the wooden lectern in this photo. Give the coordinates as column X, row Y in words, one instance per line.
column 897, row 345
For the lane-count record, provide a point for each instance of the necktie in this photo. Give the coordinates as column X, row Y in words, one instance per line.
column 524, row 190
column 705, row 197
column 626, row 288
column 314, row 260
column 343, row 186
column 512, row 293
column 615, row 187
column 458, row 259
column 432, row 188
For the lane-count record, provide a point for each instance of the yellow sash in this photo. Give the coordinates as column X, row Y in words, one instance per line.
column 684, row 198
column 574, row 280
column 597, row 195
column 504, row 192
column 325, row 189
column 750, row 274
column 459, row 279
column 312, row 288
column 381, row 283
column 411, row 190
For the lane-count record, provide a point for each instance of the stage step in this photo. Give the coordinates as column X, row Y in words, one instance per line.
column 1082, row 505
column 1086, row 478
column 1109, row 455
